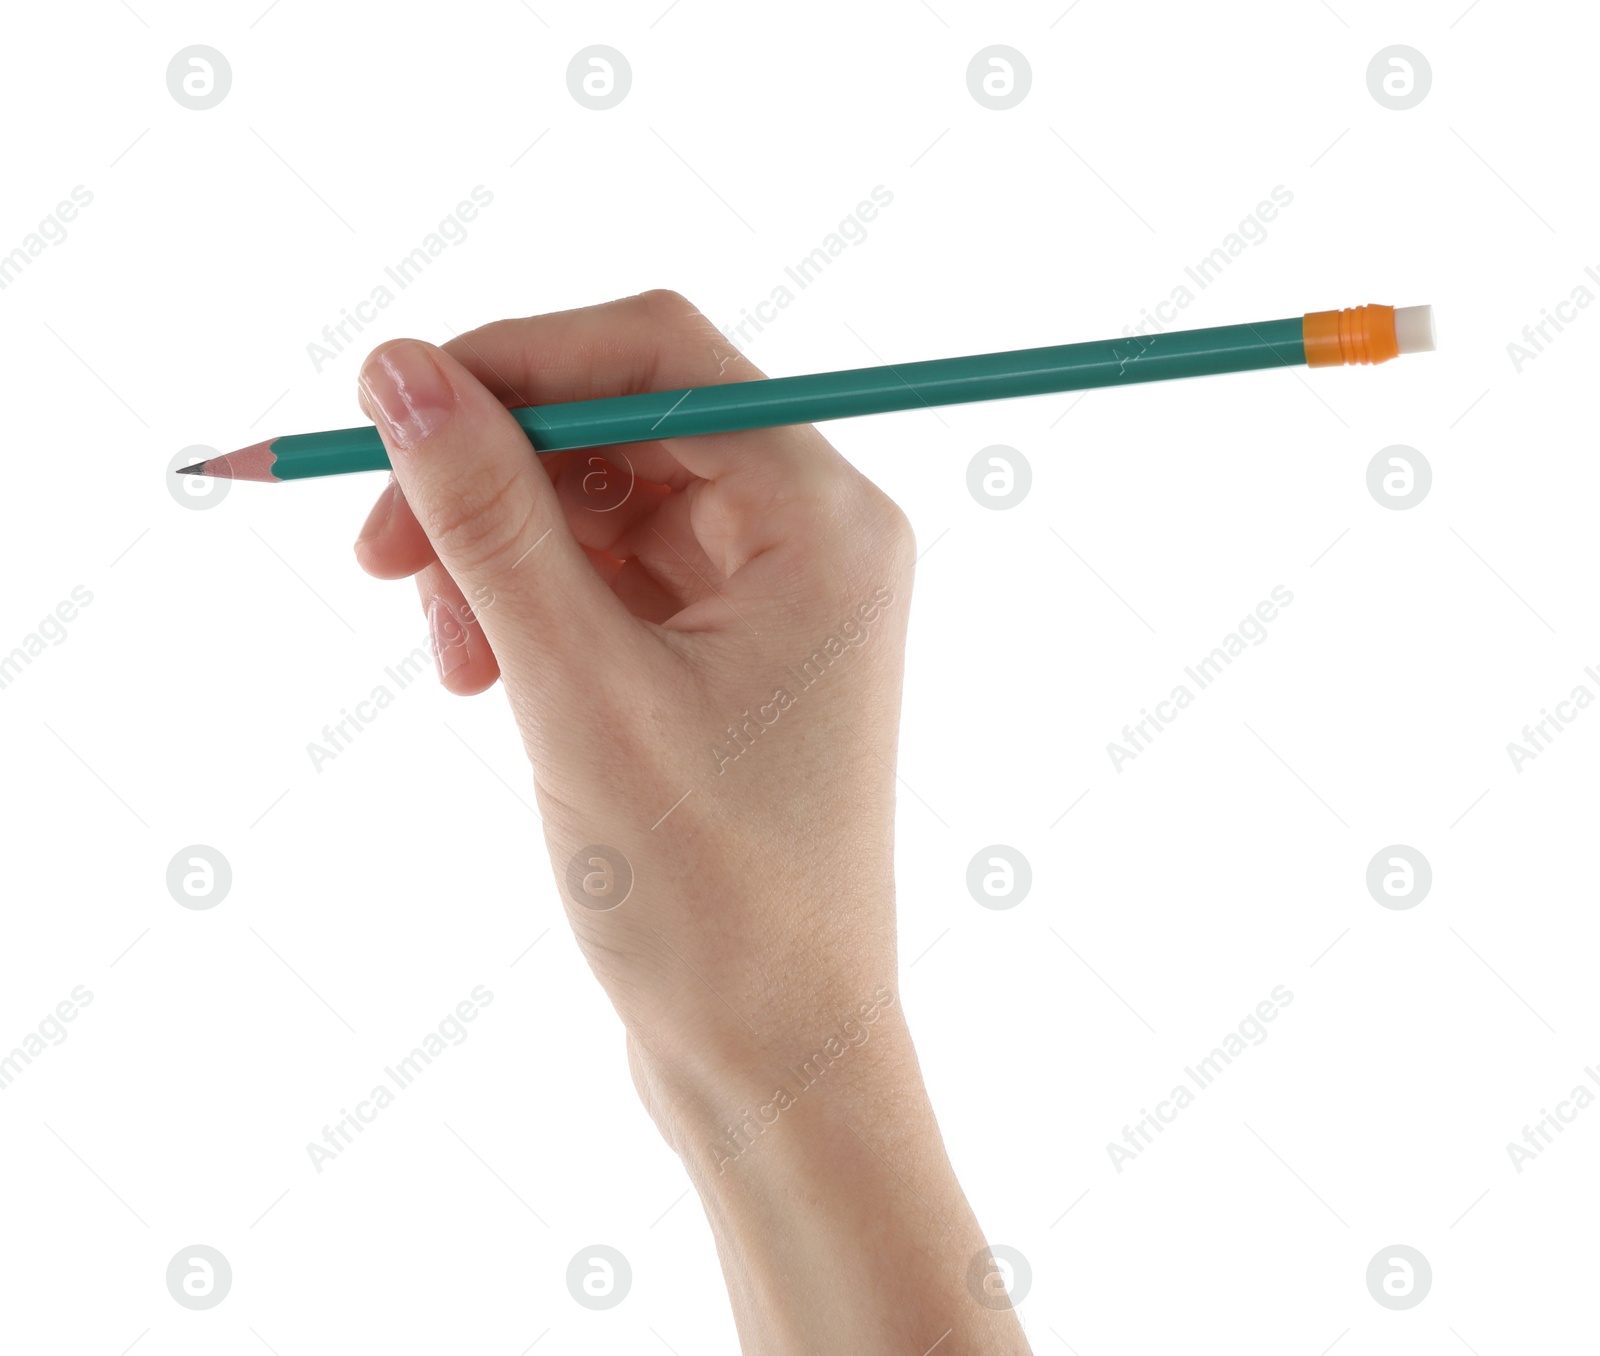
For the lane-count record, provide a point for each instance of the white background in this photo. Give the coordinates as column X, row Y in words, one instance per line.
column 372, row 896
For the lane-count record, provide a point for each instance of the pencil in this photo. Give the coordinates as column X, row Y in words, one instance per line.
column 1362, row 334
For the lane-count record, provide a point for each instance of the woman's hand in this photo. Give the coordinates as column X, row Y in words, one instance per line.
column 702, row 643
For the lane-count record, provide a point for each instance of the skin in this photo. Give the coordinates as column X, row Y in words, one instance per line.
column 634, row 607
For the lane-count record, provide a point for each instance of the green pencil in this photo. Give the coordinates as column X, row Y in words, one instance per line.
column 1363, row 334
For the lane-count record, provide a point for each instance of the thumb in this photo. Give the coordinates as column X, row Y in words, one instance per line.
column 484, row 500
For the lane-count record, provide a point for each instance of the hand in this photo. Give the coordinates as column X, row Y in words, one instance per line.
column 702, row 644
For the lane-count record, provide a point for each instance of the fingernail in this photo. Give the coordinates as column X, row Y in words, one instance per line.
column 408, row 392
column 449, row 636
column 382, row 511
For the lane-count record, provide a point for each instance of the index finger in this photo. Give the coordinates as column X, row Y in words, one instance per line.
column 656, row 341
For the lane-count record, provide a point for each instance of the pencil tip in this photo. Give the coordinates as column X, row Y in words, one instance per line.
column 248, row 463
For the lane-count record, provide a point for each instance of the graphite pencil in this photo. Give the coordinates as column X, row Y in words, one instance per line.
column 1362, row 334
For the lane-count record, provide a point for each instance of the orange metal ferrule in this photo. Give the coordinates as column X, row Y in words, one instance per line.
column 1359, row 334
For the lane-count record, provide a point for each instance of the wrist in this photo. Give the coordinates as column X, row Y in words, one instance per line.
column 790, row 1103
column 720, row 1101
column 837, row 1214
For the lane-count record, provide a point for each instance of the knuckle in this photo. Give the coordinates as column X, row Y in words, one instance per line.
column 682, row 338
column 668, row 304
column 894, row 530
column 674, row 315
column 481, row 523
column 857, row 500
column 897, row 527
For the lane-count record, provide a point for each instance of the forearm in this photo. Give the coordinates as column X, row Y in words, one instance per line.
column 838, row 1217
